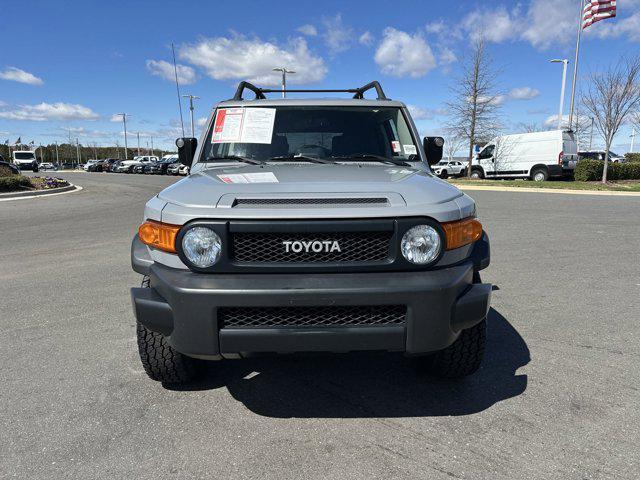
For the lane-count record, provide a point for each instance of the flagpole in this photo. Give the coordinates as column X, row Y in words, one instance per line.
column 575, row 65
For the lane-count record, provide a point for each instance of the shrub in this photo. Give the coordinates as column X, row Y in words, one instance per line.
column 5, row 171
column 632, row 157
column 591, row 170
column 13, row 182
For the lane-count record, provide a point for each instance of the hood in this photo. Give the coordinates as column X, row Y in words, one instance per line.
column 205, row 188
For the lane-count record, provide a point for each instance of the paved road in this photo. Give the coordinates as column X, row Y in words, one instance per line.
column 557, row 396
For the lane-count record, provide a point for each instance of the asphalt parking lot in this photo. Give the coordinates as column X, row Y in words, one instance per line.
column 557, row 396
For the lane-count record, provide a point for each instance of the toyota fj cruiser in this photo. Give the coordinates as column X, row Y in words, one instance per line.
column 310, row 225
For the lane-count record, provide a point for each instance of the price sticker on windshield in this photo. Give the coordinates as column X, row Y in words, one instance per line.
column 395, row 145
column 244, row 125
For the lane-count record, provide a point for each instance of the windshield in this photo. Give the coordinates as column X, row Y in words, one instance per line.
column 24, row 156
column 320, row 132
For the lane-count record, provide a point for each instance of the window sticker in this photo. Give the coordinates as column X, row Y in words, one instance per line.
column 396, row 146
column 410, row 149
column 228, row 125
column 243, row 125
column 260, row 177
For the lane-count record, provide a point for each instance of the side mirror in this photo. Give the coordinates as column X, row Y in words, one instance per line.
column 186, row 150
column 433, row 149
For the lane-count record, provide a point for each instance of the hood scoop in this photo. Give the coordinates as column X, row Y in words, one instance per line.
column 342, row 202
column 290, row 201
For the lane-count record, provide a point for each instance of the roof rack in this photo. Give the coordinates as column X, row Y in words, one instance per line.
column 358, row 92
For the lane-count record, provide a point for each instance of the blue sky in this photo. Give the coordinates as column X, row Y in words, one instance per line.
column 72, row 65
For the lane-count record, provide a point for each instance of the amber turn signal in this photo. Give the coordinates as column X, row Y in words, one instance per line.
column 462, row 232
column 159, row 235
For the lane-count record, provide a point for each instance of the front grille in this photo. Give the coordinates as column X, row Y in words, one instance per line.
column 310, row 202
column 364, row 247
column 243, row 317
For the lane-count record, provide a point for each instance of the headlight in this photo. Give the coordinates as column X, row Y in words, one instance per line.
column 421, row 244
column 201, row 246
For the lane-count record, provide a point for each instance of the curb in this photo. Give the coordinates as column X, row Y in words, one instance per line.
column 39, row 193
column 614, row 193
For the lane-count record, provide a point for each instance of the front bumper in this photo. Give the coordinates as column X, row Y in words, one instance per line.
column 184, row 306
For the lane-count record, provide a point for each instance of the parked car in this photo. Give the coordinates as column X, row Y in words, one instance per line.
column 139, row 168
column 250, row 255
column 160, row 167
column 139, row 160
column 25, row 160
column 184, row 170
column 174, row 168
column 15, row 170
column 98, row 166
column 599, row 155
column 109, row 163
column 537, row 155
column 47, row 166
column 447, row 168
column 87, row 165
column 121, row 167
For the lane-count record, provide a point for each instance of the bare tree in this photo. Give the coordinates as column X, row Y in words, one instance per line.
column 452, row 144
column 476, row 99
column 611, row 98
column 530, row 127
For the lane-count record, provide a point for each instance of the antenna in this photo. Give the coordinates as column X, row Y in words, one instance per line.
column 175, row 71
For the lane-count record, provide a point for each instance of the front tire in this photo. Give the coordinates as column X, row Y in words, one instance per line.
column 463, row 357
column 477, row 174
column 160, row 360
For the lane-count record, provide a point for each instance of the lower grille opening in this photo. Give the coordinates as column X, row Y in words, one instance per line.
column 262, row 317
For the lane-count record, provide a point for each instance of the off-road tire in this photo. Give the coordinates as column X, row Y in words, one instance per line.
column 444, row 174
column 463, row 357
column 162, row 362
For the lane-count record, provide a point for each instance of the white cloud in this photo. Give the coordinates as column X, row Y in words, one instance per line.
column 628, row 27
column 202, row 121
column 436, row 27
column 549, row 23
column 337, row 36
column 239, row 57
column 85, row 133
column 401, row 54
column 50, row 111
column 366, row 39
column 17, row 75
column 308, row 30
column 446, row 56
column 116, row 118
column 552, row 121
column 418, row 113
column 163, row 69
column 523, row 93
column 491, row 25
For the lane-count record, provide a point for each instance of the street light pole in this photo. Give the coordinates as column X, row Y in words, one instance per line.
column 138, row 143
column 124, row 125
column 564, row 62
column 284, row 79
column 633, row 137
column 57, row 158
column 591, row 135
column 77, row 152
column 191, row 98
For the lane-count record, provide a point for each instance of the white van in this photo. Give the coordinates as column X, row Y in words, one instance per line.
column 25, row 160
column 537, row 155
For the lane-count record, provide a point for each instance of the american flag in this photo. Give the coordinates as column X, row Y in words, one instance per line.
column 596, row 10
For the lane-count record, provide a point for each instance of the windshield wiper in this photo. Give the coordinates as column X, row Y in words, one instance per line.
column 300, row 157
column 372, row 156
column 235, row 157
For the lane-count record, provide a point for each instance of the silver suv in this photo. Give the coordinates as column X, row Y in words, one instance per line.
column 310, row 225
